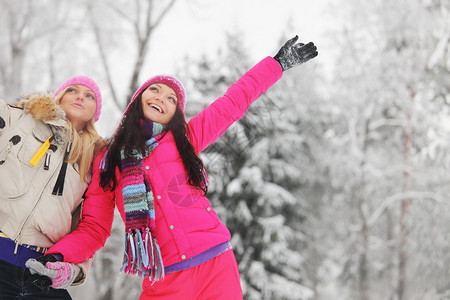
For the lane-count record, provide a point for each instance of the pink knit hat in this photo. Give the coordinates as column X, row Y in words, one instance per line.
column 87, row 82
column 171, row 82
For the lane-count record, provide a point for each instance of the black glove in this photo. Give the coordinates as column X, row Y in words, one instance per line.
column 292, row 55
column 41, row 281
column 47, row 258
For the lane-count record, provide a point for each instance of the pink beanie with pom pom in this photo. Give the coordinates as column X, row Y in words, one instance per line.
column 171, row 82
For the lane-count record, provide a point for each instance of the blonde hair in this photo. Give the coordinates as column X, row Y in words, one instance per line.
column 85, row 144
column 84, row 148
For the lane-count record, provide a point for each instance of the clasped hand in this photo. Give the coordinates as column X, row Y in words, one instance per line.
column 47, row 272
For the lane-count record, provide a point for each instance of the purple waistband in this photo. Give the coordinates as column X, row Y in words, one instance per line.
column 198, row 259
column 23, row 252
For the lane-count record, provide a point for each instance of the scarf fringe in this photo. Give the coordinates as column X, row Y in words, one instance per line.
column 103, row 165
column 142, row 255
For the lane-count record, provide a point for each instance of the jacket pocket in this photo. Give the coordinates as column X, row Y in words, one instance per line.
column 32, row 145
column 17, row 174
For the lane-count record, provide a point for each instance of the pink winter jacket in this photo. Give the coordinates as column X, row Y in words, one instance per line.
column 186, row 225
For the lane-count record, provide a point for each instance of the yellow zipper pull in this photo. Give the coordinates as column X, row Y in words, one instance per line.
column 41, row 151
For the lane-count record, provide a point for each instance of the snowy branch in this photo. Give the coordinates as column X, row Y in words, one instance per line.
column 385, row 122
column 439, row 51
column 103, row 58
column 412, row 195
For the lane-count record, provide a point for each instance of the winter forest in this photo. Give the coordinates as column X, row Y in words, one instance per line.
column 334, row 185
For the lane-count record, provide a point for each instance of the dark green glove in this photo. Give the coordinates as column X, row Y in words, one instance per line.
column 292, row 54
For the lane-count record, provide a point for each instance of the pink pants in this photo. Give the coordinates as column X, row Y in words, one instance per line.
column 215, row 279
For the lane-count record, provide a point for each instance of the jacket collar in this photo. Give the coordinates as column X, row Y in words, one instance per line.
column 43, row 108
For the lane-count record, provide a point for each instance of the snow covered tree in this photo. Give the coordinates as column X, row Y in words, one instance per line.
column 25, row 41
column 137, row 19
column 385, row 94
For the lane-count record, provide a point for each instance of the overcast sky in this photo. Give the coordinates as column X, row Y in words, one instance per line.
column 199, row 26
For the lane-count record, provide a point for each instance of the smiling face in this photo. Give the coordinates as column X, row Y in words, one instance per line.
column 159, row 103
column 79, row 104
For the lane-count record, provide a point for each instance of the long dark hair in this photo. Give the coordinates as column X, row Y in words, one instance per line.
column 129, row 139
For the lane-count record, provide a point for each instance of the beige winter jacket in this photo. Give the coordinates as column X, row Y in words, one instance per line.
column 29, row 212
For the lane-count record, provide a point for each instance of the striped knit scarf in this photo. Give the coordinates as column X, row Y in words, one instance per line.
column 142, row 254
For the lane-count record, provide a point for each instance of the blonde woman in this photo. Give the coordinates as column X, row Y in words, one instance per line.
column 47, row 145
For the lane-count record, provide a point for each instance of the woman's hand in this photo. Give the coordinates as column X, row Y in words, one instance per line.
column 292, row 54
column 47, row 272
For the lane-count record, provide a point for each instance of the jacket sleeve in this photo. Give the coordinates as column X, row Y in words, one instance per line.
column 95, row 225
column 4, row 115
column 206, row 127
column 84, row 266
column 8, row 115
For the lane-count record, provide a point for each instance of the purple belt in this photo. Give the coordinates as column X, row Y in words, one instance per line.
column 24, row 252
column 198, row 259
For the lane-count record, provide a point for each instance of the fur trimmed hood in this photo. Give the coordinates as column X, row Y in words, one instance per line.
column 43, row 108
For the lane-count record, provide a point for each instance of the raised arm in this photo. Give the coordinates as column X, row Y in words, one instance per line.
column 214, row 120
